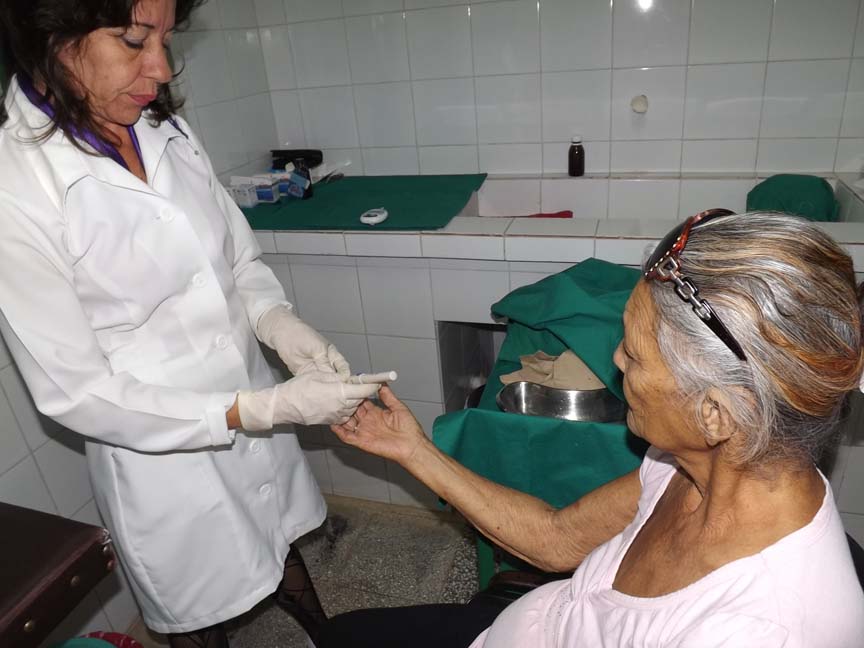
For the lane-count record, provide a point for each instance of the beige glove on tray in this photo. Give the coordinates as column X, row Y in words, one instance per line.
column 301, row 348
column 312, row 398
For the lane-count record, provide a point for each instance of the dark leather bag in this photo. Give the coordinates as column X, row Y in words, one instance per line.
column 48, row 564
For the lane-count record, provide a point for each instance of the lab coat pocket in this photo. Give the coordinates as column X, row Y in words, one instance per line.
column 178, row 528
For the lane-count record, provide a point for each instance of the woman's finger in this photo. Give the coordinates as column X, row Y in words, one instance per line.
column 388, row 398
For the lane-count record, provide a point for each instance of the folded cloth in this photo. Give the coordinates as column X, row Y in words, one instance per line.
column 566, row 371
column 801, row 195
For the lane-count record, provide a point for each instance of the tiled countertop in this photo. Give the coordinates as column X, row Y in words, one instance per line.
column 501, row 238
column 511, row 239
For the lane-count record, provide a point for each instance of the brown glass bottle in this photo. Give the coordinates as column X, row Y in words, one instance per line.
column 576, row 157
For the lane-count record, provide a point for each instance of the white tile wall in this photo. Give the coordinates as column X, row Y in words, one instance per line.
column 377, row 49
column 650, row 33
column 796, row 155
column 719, row 156
column 328, row 117
column 505, row 37
column 730, row 31
column 494, row 73
column 508, row 108
column 853, row 113
column 804, row 98
column 416, row 362
column 659, row 156
column 436, row 160
column 664, row 89
column 455, row 293
column 805, row 30
column 587, row 198
column 576, row 103
column 340, row 311
column 643, row 199
column 724, row 101
column 278, row 60
column 385, row 114
column 391, row 161
column 576, row 35
column 439, row 43
column 320, row 53
column 411, row 315
column 513, row 159
column 698, row 195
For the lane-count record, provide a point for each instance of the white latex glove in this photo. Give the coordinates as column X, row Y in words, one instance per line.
column 312, row 398
column 301, row 348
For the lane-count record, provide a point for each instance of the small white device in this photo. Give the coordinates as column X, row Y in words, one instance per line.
column 374, row 216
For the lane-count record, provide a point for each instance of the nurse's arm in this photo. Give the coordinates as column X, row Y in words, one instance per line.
column 555, row 540
column 55, row 348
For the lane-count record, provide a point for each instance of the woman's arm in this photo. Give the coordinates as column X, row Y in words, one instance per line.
column 555, row 540
column 56, row 350
column 232, row 417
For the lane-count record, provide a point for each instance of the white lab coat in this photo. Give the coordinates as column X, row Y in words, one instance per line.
column 130, row 309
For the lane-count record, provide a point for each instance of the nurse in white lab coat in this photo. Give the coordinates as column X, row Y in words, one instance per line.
column 133, row 302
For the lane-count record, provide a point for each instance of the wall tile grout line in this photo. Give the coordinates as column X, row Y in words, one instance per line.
column 764, row 88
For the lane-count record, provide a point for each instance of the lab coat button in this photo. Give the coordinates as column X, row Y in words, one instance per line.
column 221, row 342
column 265, row 490
column 199, row 280
column 166, row 217
column 255, row 446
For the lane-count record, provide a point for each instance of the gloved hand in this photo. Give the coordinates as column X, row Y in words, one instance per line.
column 311, row 398
column 300, row 347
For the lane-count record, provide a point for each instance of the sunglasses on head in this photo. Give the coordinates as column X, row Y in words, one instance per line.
column 664, row 264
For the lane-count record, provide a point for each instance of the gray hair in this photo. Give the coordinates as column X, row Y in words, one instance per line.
column 786, row 291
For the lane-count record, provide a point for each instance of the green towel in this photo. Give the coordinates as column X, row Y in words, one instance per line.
column 412, row 202
column 800, row 195
column 581, row 309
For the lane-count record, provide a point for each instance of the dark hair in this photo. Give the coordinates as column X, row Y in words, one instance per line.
column 34, row 32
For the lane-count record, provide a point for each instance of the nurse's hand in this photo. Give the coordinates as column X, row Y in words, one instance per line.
column 301, row 348
column 391, row 432
column 312, row 398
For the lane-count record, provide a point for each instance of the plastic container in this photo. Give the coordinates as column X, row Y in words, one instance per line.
column 245, row 195
column 576, row 157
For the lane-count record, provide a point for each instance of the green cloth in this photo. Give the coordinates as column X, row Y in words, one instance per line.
column 801, row 195
column 413, row 203
column 84, row 642
column 558, row 461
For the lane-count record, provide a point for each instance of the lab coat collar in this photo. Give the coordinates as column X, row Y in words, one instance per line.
column 70, row 164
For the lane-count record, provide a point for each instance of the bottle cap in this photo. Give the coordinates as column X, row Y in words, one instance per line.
column 576, row 139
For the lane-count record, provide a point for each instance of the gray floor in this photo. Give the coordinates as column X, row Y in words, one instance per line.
column 368, row 554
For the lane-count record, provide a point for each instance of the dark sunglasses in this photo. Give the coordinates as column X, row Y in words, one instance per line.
column 664, row 265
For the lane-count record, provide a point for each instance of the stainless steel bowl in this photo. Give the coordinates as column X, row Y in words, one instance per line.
column 596, row 405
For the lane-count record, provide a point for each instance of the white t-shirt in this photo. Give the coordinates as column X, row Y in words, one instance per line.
column 801, row 592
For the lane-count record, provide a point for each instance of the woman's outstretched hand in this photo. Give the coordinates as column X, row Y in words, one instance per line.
column 391, row 432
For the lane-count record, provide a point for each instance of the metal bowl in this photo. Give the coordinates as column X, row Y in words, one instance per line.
column 595, row 405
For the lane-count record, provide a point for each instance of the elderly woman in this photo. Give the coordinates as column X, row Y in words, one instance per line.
column 741, row 344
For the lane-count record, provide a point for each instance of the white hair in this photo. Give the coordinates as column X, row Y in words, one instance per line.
column 786, row 291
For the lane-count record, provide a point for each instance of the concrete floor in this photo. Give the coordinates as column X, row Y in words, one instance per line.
column 367, row 555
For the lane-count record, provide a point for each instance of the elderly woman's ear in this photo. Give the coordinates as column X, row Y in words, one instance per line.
column 717, row 422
